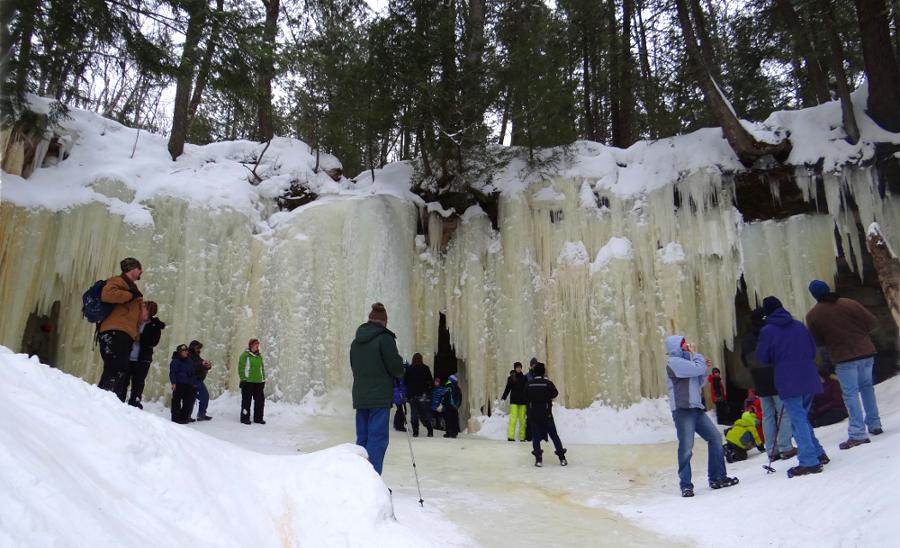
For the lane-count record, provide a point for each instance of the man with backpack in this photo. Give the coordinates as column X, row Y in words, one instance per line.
column 120, row 328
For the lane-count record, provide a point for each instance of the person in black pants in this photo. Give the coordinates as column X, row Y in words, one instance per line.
column 119, row 330
column 540, row 393
column 451, row 403
column 142, row 354
column 418, row 382
column 181, row 375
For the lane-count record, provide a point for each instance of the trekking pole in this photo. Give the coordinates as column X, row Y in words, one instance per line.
column 413, row 457
column 768, row 467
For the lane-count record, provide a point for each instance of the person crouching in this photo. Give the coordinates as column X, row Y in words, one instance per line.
column 181, row 375
column 540, row 393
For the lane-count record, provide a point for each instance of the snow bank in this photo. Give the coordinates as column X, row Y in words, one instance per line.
column 79, row 468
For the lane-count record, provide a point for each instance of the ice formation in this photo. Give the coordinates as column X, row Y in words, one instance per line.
column 580, row 273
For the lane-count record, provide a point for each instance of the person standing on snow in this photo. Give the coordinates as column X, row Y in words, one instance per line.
column 515, row 389
column 776, row 423
column 142, row 354
column 375, row 362
column 450, row 406
column 437, row 396
column 843, row 326
column 686, row 373
column 539, row 394
column 717, row 391
column 181, row 376
column 253, row 383
column 788, row 346
column 120, row 329
column 201, row 368
column 418, row 382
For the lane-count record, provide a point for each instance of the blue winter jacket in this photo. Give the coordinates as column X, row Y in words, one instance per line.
column 789, row 347
column 684, row 376
column 181, row 371
column 437, row 396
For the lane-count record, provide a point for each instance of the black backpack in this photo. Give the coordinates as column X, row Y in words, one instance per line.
column 93, row 309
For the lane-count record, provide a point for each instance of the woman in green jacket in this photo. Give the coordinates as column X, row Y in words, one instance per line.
column 253, row 383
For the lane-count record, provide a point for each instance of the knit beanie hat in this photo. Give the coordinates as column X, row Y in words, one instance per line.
column 770, row 305
column 378, row 313
column 818, row 289
column 452, row 378
column 539, row 369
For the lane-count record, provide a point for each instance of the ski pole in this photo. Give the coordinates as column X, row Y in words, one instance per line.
column 412, row 456
column 768, row 467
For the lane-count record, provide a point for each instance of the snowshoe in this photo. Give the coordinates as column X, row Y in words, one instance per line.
column 851, row 443
column 804, row 470
column 724, row 482
column 687, row 492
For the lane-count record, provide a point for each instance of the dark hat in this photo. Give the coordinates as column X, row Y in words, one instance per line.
column 129, row 263
column 539, row 369
column 533, row 362
column 194, row 345
column 181, row 348
column 770, row 305
column 818, row 289
column 378, row 313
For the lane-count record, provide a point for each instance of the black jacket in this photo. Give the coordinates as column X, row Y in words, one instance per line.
column 199, row 371
column 540, row 393
column 763, row 374
column 515, row 388
column 418, row 380
column 149, row 339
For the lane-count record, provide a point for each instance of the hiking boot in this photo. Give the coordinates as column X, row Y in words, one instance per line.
column 823, row 459
column 851, row 443
column 260, row 421
column 687, row 492
column 431, row 432
column 790, row 453
column 804, row 470
column 876, row 431
column 204, row 418
column 538, row 459
column 724, row 482
column 510, row 439
column 562, row 457
column 192, row 420
column 245, row 421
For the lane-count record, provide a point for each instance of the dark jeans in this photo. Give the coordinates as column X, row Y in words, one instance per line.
column 115, row 349
column 182, row 402
column 723, row 414
column 202, row 399
column 136, row 375
column 541, row 427
column 254, row 391
column 420, row 409
column 372, row 433
column 451, row 421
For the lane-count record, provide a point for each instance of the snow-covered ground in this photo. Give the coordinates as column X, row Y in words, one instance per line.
column 78, row 468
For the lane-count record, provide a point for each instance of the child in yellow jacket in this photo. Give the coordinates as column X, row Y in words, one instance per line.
column 742, row 436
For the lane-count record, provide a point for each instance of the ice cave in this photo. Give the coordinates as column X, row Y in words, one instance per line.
column 587, row 266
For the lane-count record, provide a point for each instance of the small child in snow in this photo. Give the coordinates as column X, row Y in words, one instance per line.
column 450, row 403
column 437, row 396
column 743, row 436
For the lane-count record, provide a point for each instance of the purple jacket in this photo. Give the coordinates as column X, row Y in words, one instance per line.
column 788, row 346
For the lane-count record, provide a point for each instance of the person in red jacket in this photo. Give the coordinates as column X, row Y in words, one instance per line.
column 717, row 390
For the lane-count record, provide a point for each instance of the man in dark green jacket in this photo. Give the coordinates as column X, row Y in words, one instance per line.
column 375, row 363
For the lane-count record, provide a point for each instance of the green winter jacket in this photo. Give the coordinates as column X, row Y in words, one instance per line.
column 744, row 433
column 375, row 363
column 250, row 367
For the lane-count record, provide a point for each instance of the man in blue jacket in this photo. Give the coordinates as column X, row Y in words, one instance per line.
column 788, row 346
column 686, row 374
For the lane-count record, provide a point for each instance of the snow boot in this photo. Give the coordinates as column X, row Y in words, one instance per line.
column 687, row 492
column 245, row 421
column 562, row 457
column 724, row 482
column 876, row 431
column 804, row 470
column 260, row 421
column 823, row 459
column 204, row 418
column 851, row 443
column 538, row 461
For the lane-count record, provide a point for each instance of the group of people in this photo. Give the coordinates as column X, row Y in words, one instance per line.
column 130, row 332
column 531, row 398
column 781, row 355
column 432, row 403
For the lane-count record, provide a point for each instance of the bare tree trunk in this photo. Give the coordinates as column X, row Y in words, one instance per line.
column 651, row 94
column 615, row 61
column 747, row 149
column 203, row 72
column 505, row 118
column 705, row 41
column 266, row 126
column 837, row 65
column 883, row 104
column 887, row 267
column 625, row 136
column 197, row 18
column 804, row 47
column 26, row 17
